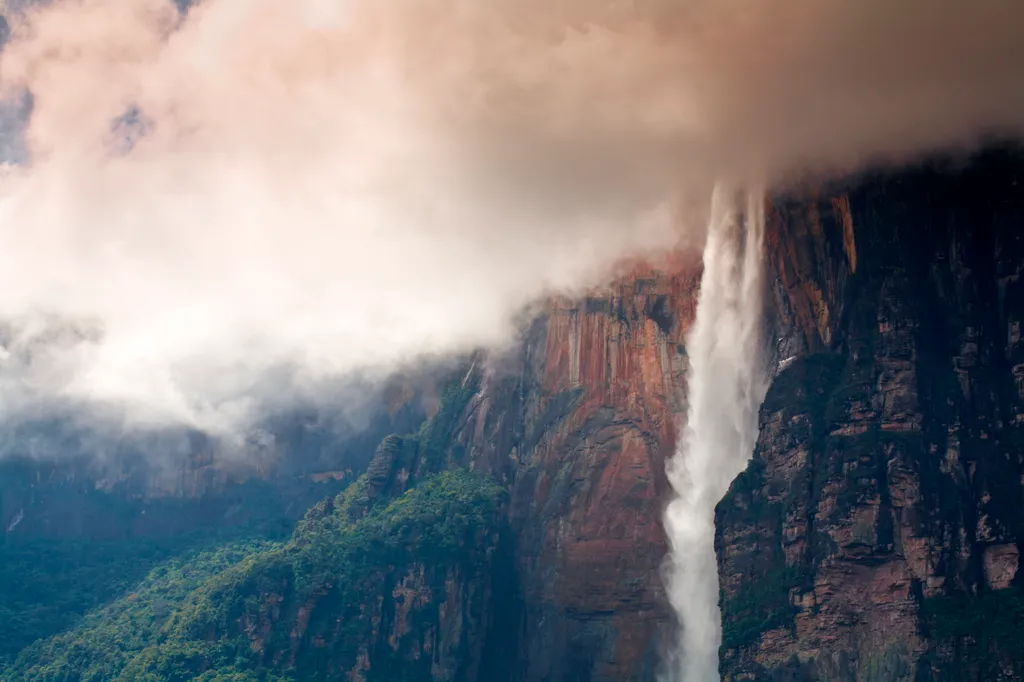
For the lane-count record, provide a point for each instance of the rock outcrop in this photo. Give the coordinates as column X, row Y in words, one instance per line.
column 578, row 423
column 875, row 535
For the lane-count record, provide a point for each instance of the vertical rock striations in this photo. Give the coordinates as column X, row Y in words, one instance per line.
column 579, row 423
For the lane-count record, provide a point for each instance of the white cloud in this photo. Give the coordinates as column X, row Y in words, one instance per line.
column 349, row 185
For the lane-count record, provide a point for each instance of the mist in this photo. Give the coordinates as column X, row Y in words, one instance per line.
column 207, row 201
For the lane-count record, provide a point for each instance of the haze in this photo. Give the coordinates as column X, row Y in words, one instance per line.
column 343, row 186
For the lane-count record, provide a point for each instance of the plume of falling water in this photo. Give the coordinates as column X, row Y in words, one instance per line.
column 726, row 384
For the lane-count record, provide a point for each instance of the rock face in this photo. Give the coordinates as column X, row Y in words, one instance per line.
column 578, row 423
column 875, row 535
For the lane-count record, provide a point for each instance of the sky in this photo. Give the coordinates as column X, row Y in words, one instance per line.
column 217, row 211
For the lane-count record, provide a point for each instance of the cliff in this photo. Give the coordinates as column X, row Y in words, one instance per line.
column 58, row 480
column 578, row 423
column 875, row 535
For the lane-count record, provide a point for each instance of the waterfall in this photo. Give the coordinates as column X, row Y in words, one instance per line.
column 726, row 384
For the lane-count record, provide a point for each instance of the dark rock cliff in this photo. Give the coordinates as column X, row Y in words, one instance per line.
column 875, row 535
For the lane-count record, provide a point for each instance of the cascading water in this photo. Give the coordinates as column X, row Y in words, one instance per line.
column 726, row 384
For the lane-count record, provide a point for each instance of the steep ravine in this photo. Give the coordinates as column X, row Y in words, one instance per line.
column 875, row 535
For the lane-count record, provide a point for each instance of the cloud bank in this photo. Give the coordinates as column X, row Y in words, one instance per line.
column 333, row 186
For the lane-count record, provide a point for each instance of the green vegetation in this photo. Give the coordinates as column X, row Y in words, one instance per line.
column 275, row 611
column 978, row 636
column 762, row 604
column 46, row 586
column 108, row 639
column 175, row 606
column 435, row 435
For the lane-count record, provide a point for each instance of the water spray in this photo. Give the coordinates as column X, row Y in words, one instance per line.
column 725, row 386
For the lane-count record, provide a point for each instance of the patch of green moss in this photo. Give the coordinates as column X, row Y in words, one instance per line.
column 761, row 604
column 435, row 437
column 975, row 637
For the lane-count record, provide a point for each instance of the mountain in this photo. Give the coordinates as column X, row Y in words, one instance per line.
column 509, row 531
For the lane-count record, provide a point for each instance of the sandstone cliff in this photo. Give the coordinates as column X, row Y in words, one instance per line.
column 875, row 535
column 578, row 423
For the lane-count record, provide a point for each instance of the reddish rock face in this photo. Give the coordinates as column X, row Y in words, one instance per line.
column 579, row 424
column 810, row 244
